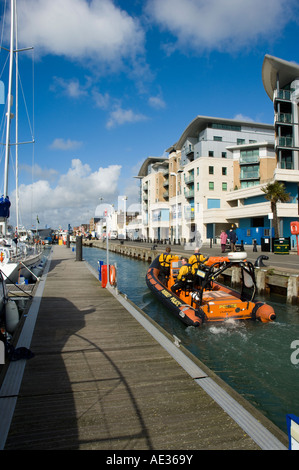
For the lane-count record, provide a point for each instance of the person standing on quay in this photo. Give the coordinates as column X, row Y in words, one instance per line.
column 223, row 238
column 232, row 239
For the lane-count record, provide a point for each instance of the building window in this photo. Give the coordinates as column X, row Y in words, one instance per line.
column 211, row 185
column 223, row 154
column 240, row 141
column 197, row 186
column 217, row 138
column 211, row 153
column 197, row 171
column 224, row 171
column 211, row 170
column 224, row 186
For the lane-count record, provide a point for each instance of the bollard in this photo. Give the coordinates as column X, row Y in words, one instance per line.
column 254, row 246
column 100, row 264
column 78, row 248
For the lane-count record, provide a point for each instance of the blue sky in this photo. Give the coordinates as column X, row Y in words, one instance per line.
column 118, row 81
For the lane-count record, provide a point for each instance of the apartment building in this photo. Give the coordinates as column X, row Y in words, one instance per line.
column 281, row 83
column 186, row 195
column 213, row 175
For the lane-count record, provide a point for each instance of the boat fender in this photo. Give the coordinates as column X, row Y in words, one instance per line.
column 263, row 312
column 11, row 316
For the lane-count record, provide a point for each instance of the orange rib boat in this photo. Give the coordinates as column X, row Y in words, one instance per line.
column 204, row 299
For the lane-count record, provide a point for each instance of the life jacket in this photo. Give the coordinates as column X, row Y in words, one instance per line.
column 185, row 273
column 165, row 259
column 195, row 260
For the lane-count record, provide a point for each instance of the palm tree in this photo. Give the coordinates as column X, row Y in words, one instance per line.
column 275, row 192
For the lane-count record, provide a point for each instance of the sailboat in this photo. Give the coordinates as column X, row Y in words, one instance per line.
column 16, row 257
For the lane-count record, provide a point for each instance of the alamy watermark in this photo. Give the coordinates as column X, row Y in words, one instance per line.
column 295, row 354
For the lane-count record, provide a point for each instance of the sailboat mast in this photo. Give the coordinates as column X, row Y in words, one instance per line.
column 7, row 146
column 17, row 119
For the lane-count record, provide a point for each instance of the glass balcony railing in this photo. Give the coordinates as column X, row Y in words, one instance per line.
column 189, row 194
column 249, row 175
column 245, row 159
column 284, row 95
column 285, row 118
column 285, row 141
column 189, row 179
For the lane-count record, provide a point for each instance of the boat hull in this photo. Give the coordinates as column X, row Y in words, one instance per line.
column 12, row 271
column 216, row 304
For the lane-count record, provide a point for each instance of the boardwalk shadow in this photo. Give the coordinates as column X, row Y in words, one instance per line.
column 75, row 393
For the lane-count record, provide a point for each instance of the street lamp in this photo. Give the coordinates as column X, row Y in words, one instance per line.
column 125, row 216
column 176, row 208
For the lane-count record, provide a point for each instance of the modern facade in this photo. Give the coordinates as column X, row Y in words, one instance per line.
column 214, row 174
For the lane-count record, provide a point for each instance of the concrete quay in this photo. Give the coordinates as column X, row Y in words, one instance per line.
column 106, row 377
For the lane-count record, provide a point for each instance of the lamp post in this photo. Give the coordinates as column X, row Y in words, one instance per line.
column 125, row 216
column 176, row 208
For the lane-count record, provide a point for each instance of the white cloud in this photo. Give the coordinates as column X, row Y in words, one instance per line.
column 101, row 100
column 156, row 102
column 222, row 25
column 38, row 172
column 83, row 30
column 73, row 200
column 71, row 88
column 62, row 144
column 242, row 117
column 121, row 116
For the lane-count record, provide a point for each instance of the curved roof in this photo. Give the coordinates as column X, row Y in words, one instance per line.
column 201, row 122
column 288, row 71
column 146, row 163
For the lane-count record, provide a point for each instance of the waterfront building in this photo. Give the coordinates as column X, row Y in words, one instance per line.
column 214, row 174
column 281, row 83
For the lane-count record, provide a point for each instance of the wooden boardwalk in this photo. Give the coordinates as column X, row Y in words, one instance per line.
column 100, row 380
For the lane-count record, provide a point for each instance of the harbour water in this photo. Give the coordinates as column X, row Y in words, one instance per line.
column 259, row 361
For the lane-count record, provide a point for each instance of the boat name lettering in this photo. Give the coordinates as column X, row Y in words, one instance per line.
column 175, row 301
column 171, row 298
column 166, row 293
column 228, row 306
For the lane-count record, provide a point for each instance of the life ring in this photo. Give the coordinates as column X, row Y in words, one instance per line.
column 112, row 275
column 4, row 255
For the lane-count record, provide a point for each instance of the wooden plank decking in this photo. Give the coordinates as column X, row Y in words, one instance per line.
column 99, row 380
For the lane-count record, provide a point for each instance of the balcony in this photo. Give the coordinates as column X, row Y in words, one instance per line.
column 247, row 159
column 250, row 175
column 284, row 118
column 189, row 179
column 189, row 194
column 189, row 150
column 282, row 95
column 284, row 141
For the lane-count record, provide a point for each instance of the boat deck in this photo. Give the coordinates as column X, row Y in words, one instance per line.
column 105, row 377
